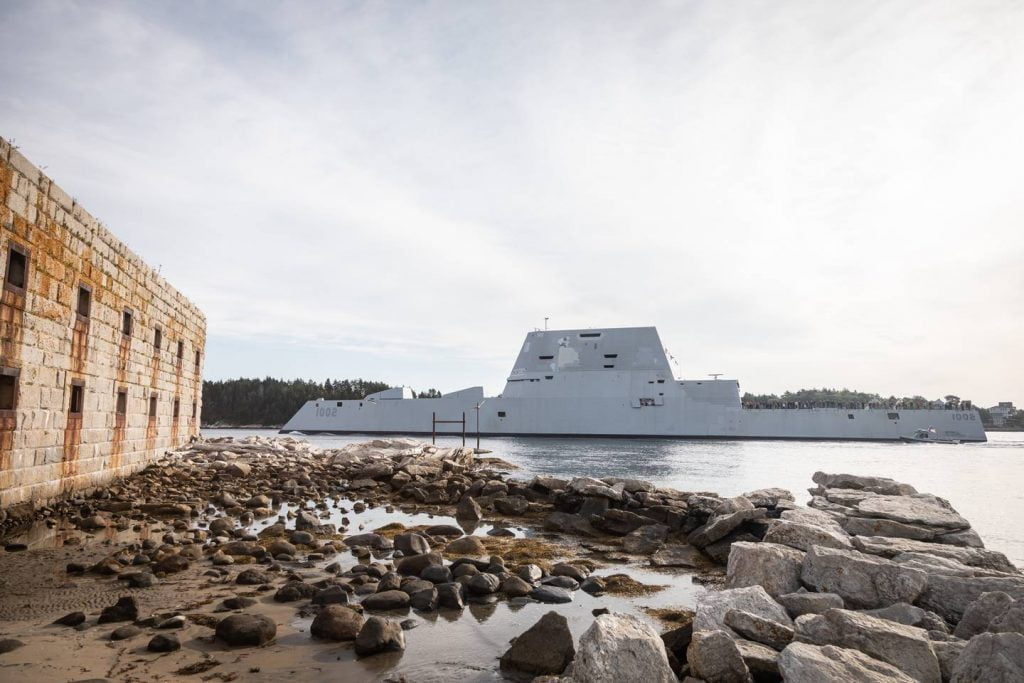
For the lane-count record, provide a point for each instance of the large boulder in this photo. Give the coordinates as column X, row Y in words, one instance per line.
column 758, row 629
column 867, row 526
column 385, row 600
column 905, row 647
column 972, row 557
column 804, row 663
column 921, row 508
column 881, row 485
column 950, row 596
column 991, row 658
column 646, row 539
column 612, row 641
column 335, row 622
column 713, row 606
column 545, row 648
column 719, row 526
column 804, row 602
column 411, row 543
column 379, row 635
column 370, row 540
column 468, row 510
column 774, row 567
column 413, row 565
column 241, row 630
column 803, row 536
column 467, row 545
column 861, row 580
column 714, row 657
column 980, row 613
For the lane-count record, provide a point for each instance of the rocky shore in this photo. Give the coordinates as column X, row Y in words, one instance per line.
column 226, row 559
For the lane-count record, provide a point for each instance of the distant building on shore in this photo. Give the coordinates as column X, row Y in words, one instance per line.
column 100, row 358
column 1002, row 413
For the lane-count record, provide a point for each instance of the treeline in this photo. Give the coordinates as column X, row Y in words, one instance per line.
column 271, row 402
column 841, row 397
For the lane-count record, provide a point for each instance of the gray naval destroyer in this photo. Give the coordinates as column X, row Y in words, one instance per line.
column 618, row 382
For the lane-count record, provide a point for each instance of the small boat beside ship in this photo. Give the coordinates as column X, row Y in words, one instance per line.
column 927, row 436
column 618, row 382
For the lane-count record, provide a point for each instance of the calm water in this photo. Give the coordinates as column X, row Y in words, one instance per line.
column 984, row 482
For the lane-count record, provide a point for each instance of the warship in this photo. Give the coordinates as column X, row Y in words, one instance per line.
column 618, row 382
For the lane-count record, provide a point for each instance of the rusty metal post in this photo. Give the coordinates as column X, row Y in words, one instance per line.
column 463, row 428
column 478, row 427
column 433, row 428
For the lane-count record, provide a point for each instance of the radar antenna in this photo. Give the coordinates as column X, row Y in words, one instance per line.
column 716, row 375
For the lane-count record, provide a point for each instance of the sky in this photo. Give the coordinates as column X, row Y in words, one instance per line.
column 797, row 194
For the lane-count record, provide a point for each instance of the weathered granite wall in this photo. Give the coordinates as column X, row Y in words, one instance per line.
column 89, row 390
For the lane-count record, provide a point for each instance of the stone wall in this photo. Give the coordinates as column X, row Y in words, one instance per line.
column 54, row 260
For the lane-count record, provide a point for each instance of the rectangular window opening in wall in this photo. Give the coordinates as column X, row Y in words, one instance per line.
column 122, row 401
column 8, row 389
column 849, row 416
column 181, row 351
column 193, row 410
column 546, row 357
column 152, row 407
column 126, row 323
column 549, row 376
column 661, row 381
column 158, row 339
column 17, row 267
column 501, row 413
column 590, row 334
column 611, row 355
column 177, row 408
column 84, row 301
column 198, row 358
column 77, row 397
column 894, row 416
column 609, row 366
column 339, row 403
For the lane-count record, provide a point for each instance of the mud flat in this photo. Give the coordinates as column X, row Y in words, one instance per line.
column 395, row 560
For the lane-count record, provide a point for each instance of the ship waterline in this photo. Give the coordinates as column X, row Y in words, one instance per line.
column 617, row 382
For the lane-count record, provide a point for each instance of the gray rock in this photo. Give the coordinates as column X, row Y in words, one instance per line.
column 295, row 590
column 565, row 582
column 1010, row 621
column 379, row 635
column 620, row 522
column 861, row 580
column 125, row 632
column 436, row 574
column 585, row 486
column 812, row 517
column 947, row 652
column 511, row 505
column 950, row 596
column 991, row 658
column 774, row 567
column 483, row 584
column 797, row 604
column 881, row 485
column 712, row 607
column 761, row 660
column 866, row 526
column 614, row 639
column 281, row 547
column 515, row 587
column 972, row 557
column 126, row 609
column 594, row 585
column 71, row 619
column 760, row 630
column 646, row 539
column 252, row 577
column 905, row 647
column 718, row 527
column 424, row 599
column 529, row 572
column 450, row 595
column 164, row 642
column 714, row 657
column 769, row 497
column 411, row 544
column 922, row 509
column 251, row 630
column 980, row 613
column 570, row 570
column 804, row 663
column 468, row 509
column 908, row 615
column 375, row 541
column 393, row 599
column 332, row 595
column 467, row 545
column 967, row 538
column 551, row 594
column 803, row 536
column 545, row 648
column 415, row 564
column 932, row 564
column 676, row 555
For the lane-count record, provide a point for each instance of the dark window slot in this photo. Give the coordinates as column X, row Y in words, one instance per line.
column 661, row 381
column 152, row 407
column 8, row 389
column 158, row 338
column 894, row 416
column 609, row 366
column 17, row 266
column 122, row 402
column 549, row 376
column 77, row 397
column 177, row 408
column 198, row 359
column 84, row 301
column 590, row 334
column 501, row 413
column 339, row 404
column 611, row 355
column 126, row 323
column 193, row 410
column 546, row 357
column 181, row 351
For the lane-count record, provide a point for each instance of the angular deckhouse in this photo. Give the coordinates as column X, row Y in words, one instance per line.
column 615, row 382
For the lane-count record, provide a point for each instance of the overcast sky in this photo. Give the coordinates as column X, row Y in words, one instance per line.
column 796, row 193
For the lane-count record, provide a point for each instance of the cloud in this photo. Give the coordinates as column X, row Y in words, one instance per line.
column 800, row 194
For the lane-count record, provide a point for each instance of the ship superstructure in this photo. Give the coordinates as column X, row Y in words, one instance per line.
column 617, row 382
